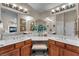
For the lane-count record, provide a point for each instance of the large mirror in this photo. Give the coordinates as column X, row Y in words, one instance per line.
column 66, row 23
column 9, row 20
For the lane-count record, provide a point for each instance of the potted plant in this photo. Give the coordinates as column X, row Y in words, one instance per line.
column 39, row 29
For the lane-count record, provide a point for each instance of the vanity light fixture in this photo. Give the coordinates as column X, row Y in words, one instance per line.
column 63, row 7
column 14, row 6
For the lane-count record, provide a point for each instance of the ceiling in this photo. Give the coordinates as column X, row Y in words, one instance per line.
column 40, row 7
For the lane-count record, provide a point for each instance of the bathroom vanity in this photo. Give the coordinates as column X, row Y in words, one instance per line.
column 53, row 45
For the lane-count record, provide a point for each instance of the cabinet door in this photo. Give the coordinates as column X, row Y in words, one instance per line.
column 6, row 49
column 26, row 50
column 19, row 45
column 53, row 50
column 15, row 52
column 61, row 52
column 69, row 53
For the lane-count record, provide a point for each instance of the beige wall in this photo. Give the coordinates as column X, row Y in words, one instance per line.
column 49, row 15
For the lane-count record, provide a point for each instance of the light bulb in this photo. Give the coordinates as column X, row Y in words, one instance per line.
column 25, row 9
column 64, row 6
column 57, row 8
column 20, row 7
column 53, row 10
column 14, row 5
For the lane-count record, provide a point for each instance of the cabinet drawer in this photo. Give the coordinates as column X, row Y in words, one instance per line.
column 19, row 45
column 28, row 42
column 51, row 41
column 15, row 52
column 60, row 44
column 72, row 48
column 6, row 48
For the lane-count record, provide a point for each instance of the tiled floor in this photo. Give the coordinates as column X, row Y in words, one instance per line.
column 39, row 53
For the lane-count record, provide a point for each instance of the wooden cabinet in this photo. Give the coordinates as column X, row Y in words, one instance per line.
column 28, row 42
column 62, row 49
column 60, row 44
column 26, row 50
column 6, row 49
column 19, row 49
column 72, row 48
column 51, row 41
column 54, row 50
column 14, row 52
column 69, row 53
column 19, row 45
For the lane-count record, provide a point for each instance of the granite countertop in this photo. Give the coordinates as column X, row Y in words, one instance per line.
column 68, row 40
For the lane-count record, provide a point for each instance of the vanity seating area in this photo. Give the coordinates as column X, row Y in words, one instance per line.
column 39, row 48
